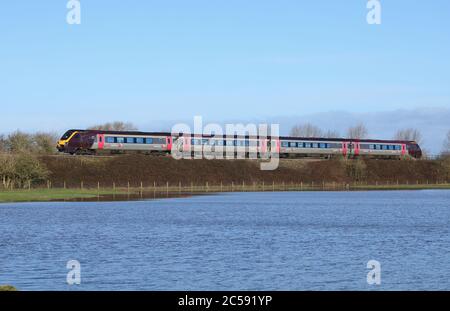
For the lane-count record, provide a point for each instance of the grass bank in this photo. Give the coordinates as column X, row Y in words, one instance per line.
column 43, row 195
column 181, row 190
column 7, row 288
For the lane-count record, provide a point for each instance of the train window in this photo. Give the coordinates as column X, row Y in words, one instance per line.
column 293, row 144
column 398, row 147
column 139, row 140
column 315, row 145
column 129, row 140
column 120, row 140
column 322, row 145
column 205, row 141
column 284, row 144
column 109, row 140
column 308, row 145
column 149, row 140
column 196, row 142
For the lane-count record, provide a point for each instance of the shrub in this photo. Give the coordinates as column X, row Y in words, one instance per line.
column 20, row 170
column 356, row 169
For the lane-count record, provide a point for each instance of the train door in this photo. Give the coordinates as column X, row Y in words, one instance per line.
column 101, row 141
column 278, row 144
column 344, row 149
column 186, row 143
column 357, row 148
column 169, row 143
column 403, row 149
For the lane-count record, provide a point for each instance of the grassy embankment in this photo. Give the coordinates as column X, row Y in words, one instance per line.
column 42, row 195
column 134, row 177
column 7, row 288
column 54, row 194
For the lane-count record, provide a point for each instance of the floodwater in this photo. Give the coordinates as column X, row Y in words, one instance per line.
column 231, row 241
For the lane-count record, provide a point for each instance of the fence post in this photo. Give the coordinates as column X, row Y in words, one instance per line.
column 82, row 186
column 64, row 185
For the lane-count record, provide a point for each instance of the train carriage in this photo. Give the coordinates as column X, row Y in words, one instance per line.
column 210, row 146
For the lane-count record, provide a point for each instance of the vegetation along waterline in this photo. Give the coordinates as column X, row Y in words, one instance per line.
column 7, row 288
column 180, row 190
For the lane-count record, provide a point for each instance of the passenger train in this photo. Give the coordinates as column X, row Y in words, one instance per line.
column 115, row 142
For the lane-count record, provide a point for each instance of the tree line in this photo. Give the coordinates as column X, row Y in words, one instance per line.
column 20, row 166
column 19, row 162
column 360, row 131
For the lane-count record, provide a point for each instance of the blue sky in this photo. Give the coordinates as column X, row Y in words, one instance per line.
column 145, row 61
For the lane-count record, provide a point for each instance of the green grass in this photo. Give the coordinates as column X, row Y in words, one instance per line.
column 401, row 187
column 7, row 288
column 42, row 195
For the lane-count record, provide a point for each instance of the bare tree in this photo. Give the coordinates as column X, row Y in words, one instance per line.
column 306, row 130
column 115, row 126
column 21, row 169
column 3, row 144
column 19, row 142
column 331, row 134
column 44, row 143
column 357, row 132
column 409, row 134
column 447, row 144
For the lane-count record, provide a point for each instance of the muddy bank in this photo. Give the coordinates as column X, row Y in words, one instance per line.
column 137, row 169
